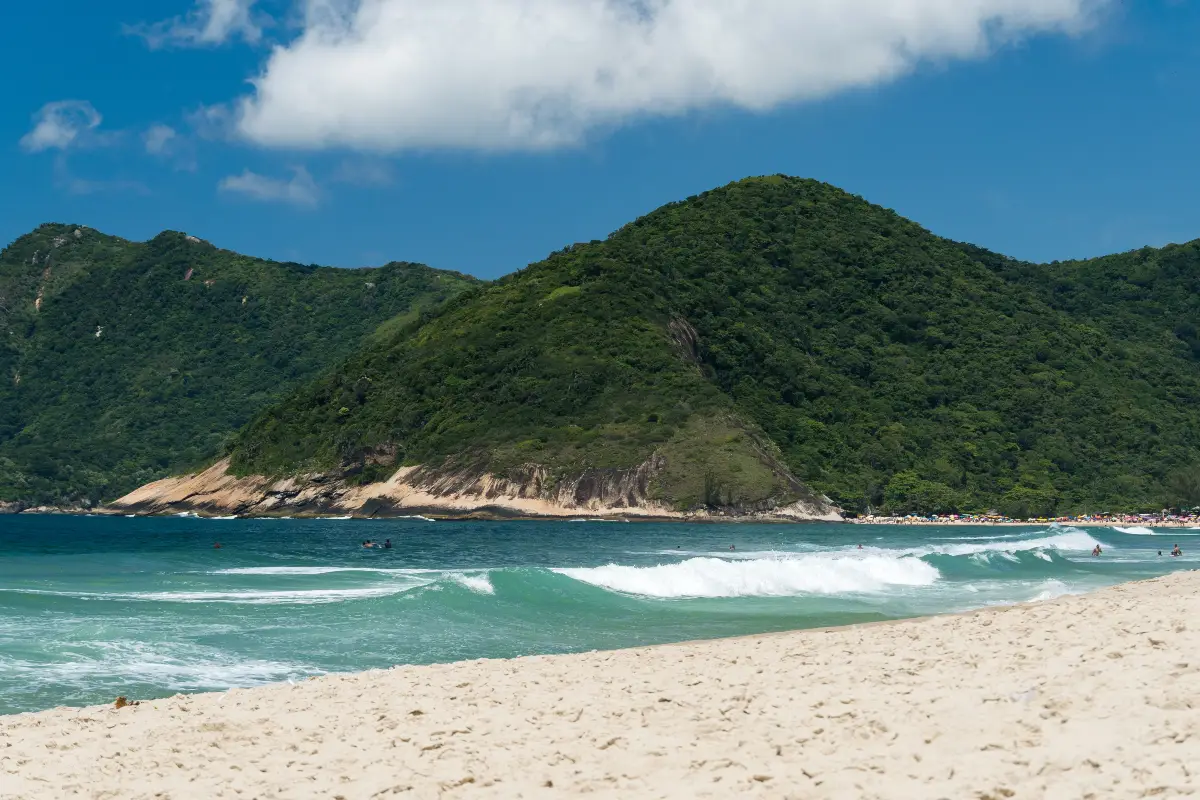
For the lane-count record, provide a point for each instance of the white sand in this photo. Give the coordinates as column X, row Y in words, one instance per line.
column 1095, row 696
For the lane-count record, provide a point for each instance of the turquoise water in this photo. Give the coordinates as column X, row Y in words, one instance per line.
column 94, row 607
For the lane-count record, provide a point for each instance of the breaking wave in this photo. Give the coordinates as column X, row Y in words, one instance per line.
column 714, row 577
column 246, row 597
column 319, row 571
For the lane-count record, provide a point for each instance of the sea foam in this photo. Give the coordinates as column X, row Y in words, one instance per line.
column 246, row 597
column 783, row 577
column 319, row 571
column 1051, row 590
column 178, row 665
column 479, row 583
column 1068, row 540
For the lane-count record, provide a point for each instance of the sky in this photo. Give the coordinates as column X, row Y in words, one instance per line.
column 481, row 135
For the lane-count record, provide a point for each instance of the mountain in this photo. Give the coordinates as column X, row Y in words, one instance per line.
column 121, row 362
column 750, row 350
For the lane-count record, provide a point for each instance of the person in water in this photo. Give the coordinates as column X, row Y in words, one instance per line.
column 368, row 543
column 216, row 545
column 1096, row 550
column 387, row 545
column 1176, row 551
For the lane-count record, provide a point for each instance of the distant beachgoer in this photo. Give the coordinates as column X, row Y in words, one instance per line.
column 1160, row 553
column 860, row 547
column 1096, row 550
column 216, row 546
column 1176, row 551
column 387, row 545
column 731, row 547
column 368, row 543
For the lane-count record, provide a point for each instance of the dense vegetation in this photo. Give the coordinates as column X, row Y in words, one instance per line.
column 122, row 362
column 780, row 318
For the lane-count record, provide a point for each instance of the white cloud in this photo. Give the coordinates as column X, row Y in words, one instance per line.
column 62, row 125
column 210, row 22
column 385, row 75
column 300, row 190
column 159, row 139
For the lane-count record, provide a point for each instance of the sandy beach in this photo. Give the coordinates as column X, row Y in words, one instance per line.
column 1087, row 696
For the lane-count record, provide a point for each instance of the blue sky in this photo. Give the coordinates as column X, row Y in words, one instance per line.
column 480, row 136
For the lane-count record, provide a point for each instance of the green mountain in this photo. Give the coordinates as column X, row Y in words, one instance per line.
column 774, row 334
column 122, row 362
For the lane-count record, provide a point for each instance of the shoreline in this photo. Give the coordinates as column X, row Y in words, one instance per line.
column 1084, row 693
column 918, row 523
column 437, row 515
column 457, row 494
column 501, row 514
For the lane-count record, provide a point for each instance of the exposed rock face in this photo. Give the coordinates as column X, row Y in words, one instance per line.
column 529, row 492
column 20, row 507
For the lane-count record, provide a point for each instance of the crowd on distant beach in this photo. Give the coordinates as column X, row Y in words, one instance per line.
column 1164, row 519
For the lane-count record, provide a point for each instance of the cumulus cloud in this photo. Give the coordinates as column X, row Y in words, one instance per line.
column 300, row 190
column 210, row 22
column 386, row 75
column 62, row 125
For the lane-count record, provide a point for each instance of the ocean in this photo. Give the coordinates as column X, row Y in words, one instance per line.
column 96, row 607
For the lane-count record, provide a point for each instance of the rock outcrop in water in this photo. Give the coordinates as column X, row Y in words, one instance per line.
column 455, row 493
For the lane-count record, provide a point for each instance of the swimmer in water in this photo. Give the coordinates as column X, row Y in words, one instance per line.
column 387, row 545
column 216, row 545
column 1096, row 550
column 1176, row 551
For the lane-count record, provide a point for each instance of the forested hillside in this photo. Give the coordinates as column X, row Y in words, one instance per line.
column 780, row 320
column 121, row 362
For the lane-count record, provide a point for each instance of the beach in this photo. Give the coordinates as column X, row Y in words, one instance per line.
column 1082, row 696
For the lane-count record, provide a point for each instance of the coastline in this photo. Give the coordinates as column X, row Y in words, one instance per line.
column 1082, row 694
column 416, row 491
column 503, row 514
column 434, row 514
column 1106, row 523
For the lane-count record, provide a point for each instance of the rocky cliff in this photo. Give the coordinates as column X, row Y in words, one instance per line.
column 531, row 492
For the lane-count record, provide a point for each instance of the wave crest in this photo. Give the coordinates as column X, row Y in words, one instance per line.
column 714, row 577
column 1068, row 540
